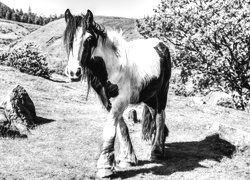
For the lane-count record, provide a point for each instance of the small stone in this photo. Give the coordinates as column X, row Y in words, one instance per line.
column 132, row 115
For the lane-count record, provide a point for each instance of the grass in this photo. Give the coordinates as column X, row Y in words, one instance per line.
column 66, row 143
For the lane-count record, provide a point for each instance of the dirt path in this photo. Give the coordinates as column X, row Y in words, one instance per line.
column 66, row 144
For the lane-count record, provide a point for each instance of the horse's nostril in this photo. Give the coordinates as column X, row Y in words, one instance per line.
column 71, row 73
column 78, row 72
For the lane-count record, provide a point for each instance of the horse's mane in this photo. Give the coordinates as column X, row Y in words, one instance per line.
column 70, row 31
column 100, row 30
column 117, row 40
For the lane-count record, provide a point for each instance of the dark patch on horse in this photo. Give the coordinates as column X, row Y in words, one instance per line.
column 155, row 85
column 98, row 79
column 149, row 90
column 165, row 63
column 98, row 68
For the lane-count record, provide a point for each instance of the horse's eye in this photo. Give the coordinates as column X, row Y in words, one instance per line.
column 89, row 38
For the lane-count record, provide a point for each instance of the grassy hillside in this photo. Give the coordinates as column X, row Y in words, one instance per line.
column 66, row 144
column 50, row 37
column 11, row 31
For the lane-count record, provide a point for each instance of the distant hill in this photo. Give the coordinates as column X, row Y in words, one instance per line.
column 50, row 37
column 10, row 31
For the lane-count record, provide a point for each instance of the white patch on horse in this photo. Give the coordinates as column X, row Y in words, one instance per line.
column 73, row 63
column 130, row 65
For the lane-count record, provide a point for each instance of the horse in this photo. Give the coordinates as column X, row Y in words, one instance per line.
column 132, row 72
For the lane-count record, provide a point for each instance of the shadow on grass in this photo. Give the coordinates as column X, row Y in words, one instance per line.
column 40, row 121
column 185, row 156
column 14, row 133
column 57, row 81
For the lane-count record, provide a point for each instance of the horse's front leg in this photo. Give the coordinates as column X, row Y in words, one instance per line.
column 115, row 125
column 127, row 155
column 107, row 158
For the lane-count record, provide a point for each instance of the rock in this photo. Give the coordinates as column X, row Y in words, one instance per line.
column 18, row 109
column 132, row 115
column 214, row 98
column 237, row 137
column 3, row 118
column 195, row 101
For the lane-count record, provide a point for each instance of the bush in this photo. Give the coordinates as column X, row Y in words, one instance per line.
column 28, row 59
column 211, row 37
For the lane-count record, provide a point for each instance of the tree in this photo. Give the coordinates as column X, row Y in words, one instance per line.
column 8, row 15
column 2, row 12
column 211, row 38
column 24, row 18
column 15, row 17
column 20, row 13
column 39, row 20
column 29, row 10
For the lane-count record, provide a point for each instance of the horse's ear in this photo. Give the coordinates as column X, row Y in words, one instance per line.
column 67, row 15
column 89, row 18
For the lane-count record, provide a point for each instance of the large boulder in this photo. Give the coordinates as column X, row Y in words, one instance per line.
column 239, row 138
column 17, row 112
column 213, row 98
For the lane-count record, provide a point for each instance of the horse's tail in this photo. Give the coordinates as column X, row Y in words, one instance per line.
column 148, row 124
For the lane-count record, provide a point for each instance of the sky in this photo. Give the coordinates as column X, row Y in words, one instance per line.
column 120, row 8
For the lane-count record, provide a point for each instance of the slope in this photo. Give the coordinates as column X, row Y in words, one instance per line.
column 11, row 31
column 66, row 144
column 50, row 37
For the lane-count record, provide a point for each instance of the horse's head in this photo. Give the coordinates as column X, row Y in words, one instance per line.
column 80, row 37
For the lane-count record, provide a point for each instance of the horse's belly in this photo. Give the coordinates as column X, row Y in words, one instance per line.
column 150, row 90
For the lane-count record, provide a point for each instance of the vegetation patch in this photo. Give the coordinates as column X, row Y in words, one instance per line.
column 209, row 41
column 27, row 59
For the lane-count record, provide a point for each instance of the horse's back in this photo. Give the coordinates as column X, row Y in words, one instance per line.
column 148, row 43
column 143, row 59
column 147, row 46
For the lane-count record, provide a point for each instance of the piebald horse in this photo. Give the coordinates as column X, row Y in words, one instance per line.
column 130, row 72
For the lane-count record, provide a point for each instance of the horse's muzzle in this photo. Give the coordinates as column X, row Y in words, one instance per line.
column 74, row 75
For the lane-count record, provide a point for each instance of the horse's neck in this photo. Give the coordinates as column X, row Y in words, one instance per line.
column 110, row 52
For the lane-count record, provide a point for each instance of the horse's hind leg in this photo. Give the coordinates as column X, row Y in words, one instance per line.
column 126, row 152
column 157, row 152
column 158, row 149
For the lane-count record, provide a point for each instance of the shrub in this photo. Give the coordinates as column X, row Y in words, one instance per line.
column 28, row 59
column 211, row 37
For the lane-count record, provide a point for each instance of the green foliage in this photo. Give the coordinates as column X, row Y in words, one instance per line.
column 28, row 59
column 211, row 39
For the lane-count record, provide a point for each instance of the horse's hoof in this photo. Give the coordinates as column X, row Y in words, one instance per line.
column 123, row 164
column 104, row 173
